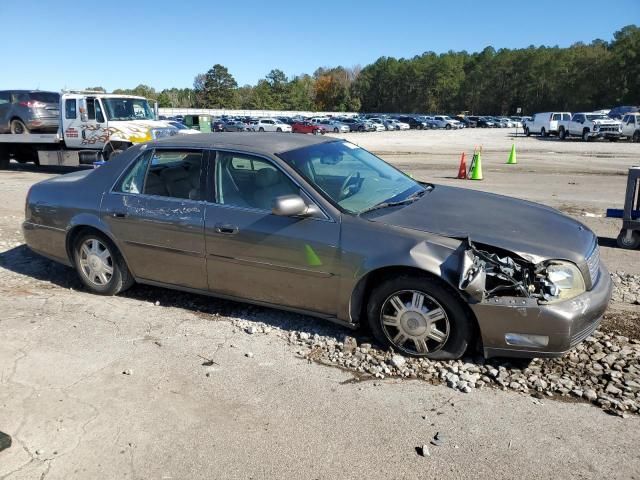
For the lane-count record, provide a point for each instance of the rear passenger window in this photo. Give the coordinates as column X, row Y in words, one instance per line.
column 176, row 174
column 5, row 97
column 133, row 181
column 70, row 109
column 556, row 116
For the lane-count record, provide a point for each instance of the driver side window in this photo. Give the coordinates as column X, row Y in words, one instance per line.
column 249, row 182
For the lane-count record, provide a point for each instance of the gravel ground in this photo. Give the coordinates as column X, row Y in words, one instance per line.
column 115, row 388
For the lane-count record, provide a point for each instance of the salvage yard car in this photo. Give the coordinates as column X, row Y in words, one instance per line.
column 320, row 226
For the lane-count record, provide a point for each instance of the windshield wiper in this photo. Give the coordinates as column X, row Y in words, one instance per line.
column 410, row 199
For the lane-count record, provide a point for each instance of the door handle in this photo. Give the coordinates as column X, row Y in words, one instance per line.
column 118, row 215
column 226, row 229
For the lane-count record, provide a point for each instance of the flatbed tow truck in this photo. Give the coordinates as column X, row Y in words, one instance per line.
column 93, row 127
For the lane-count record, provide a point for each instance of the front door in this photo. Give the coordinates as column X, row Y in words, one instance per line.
column 156, row 211
column 254, row 254
column 84, row 123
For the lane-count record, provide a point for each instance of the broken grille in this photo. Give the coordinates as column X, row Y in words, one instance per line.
column 593, row 263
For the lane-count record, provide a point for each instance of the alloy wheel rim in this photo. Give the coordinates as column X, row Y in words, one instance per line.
column 96, row 262
column 414, row 322
column 17, row 127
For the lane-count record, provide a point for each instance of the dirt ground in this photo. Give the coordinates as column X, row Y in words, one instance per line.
column 115, row 388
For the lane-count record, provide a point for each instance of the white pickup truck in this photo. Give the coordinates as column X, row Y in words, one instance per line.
column 589, row 126
column 93, row 126
column 631, row 127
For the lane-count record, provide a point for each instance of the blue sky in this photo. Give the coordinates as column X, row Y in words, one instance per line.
column 120, row 44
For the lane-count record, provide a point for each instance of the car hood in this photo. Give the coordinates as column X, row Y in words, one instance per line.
column 533, row 231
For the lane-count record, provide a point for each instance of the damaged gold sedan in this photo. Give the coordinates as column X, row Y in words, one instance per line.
column 323, row 227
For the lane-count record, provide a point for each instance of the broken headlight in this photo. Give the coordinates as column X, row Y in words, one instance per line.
column 563, row 280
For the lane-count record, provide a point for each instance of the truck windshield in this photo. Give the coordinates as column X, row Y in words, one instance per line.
column 597, row 117
column 128, row 109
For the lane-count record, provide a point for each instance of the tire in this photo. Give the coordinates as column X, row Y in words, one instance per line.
column 361, row 128
column 543, row 132
column 631, row 243
column 448, row 127
column 636, row 137
column 18, row 127
column 526, row 132
column 585, row 135
column 261, row 129
column 113, row 154
column 279, row 130
column 91, row 261
column 336, row 130
column 562, row 134
column 453, row 327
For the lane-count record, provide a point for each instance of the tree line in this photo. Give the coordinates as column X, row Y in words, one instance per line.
column 580, row 77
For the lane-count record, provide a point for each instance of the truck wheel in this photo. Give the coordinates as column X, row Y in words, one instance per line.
column 628, row 239
column 636, row 137
column 562, row 134
column 526, row 131
column 19, row 128
column 585, row 135
column 543, row 132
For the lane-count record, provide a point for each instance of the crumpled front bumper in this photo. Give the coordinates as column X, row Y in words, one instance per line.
column 565, row 323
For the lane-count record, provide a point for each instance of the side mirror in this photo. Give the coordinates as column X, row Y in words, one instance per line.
column 291, row 205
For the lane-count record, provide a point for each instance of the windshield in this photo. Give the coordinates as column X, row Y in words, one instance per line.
column 351, row 177
column 597, row 117
column 128, row 109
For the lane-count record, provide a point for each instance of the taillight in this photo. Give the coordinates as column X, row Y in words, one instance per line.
column 33, row 104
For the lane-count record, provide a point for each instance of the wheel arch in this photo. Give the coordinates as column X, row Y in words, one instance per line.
column 88, row 223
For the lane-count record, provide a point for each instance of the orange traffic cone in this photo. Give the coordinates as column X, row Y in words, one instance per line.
column 462, row 171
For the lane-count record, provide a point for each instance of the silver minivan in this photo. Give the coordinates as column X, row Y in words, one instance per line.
column 24, row 111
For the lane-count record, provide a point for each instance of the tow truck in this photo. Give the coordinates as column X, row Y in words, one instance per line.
column 94, row 126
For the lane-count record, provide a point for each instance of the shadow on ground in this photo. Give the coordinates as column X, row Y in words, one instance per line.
column 23, row 261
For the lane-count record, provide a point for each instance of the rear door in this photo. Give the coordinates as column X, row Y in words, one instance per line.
column 156, row 212
column 255, row 255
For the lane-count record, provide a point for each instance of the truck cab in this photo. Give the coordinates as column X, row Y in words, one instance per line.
column 631, row 126
column 107, row 122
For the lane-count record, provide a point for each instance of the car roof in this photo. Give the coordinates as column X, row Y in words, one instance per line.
column 265, row 143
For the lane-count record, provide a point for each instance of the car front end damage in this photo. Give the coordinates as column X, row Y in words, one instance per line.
column 527, row 309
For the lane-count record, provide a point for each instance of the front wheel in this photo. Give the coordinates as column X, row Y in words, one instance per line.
column 562, row 134
column 448, row 127
column 526, row 131
column 100, row 266
column 419, row 317
column 335, row 130
column 636, row 137
column 585, row 136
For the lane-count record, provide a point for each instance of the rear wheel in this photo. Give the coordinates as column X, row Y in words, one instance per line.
column 543, row 132
column 628, row 239
column 419, row 317
column 18, row 127
column 100, row 266
column 636, row 136
column 261, row 129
